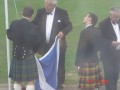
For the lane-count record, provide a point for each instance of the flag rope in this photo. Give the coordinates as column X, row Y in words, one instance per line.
column 15, row 5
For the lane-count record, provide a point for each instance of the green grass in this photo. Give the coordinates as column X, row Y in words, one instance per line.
column 77, row 9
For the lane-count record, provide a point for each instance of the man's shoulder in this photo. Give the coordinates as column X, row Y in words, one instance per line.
column 41, row 10
column 83, row 31
column 107, row 20
column 90, row 29
column 61, row 10
column 14, row 22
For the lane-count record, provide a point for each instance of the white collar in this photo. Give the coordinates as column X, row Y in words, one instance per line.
column 53, row 11
column 88, row 25
column 114, row 23
column 26, row 18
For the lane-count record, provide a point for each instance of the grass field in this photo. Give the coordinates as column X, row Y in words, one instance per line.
column 77, row 9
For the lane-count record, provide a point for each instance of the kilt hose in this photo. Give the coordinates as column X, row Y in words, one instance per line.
column 91, row 76
column 23, row 70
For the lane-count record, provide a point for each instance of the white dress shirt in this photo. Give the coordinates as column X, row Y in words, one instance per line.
column 49, row 23
column 117, row 31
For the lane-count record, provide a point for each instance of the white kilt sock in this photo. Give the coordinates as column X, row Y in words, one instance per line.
column 17, row 86
column 30, row 87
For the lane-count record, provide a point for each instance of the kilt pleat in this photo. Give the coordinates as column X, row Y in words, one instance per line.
column 23, row 70
column 91, row 76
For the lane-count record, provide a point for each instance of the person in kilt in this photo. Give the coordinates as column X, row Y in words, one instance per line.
column 24, row 36
column 86, row 56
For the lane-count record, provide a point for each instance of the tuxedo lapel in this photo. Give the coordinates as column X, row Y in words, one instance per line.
column 112, row 32
column 111, row 29
column 55, row 20
column 44, row 16
column 119, row 26
column 54, row 25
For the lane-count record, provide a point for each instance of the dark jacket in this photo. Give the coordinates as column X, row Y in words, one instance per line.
column 61, row 22
column 108, row 52
column 24, row 36
column 88, row 46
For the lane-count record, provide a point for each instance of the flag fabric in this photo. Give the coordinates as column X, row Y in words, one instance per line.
column 47, row 68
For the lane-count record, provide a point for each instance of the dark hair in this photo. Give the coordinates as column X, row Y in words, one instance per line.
column 94, row 18
column 27, row 11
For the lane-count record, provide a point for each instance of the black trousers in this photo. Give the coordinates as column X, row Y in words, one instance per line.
column 61, row 67
column 111, row 73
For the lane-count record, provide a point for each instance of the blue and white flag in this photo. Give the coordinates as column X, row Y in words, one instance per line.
column 47, row 68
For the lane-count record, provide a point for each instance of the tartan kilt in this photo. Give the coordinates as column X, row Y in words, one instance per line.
column 91, row 76
column 23, row 70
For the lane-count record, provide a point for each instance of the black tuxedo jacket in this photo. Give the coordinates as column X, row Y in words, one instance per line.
column 88, row 46
column 108, row 52
column 24, row 36
column 61, row 22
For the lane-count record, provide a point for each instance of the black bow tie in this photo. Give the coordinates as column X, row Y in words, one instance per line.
column 48, row 13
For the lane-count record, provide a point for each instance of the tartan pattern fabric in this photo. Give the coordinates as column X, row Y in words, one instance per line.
column 23, row 70
column 91, row 76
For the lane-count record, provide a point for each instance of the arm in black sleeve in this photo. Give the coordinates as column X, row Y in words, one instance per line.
column 67, row 23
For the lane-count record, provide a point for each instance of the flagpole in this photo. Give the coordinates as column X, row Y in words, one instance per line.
column 7, row 42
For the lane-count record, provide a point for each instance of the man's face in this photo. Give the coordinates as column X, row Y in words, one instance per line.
column 49, row 5
column 115, row 17
column 86, row 19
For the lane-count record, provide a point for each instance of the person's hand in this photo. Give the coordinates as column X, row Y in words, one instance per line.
column 60, row 35
column 115, row 43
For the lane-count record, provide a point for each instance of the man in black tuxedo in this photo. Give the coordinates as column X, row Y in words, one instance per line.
column 109, row 55
column 53, row 21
